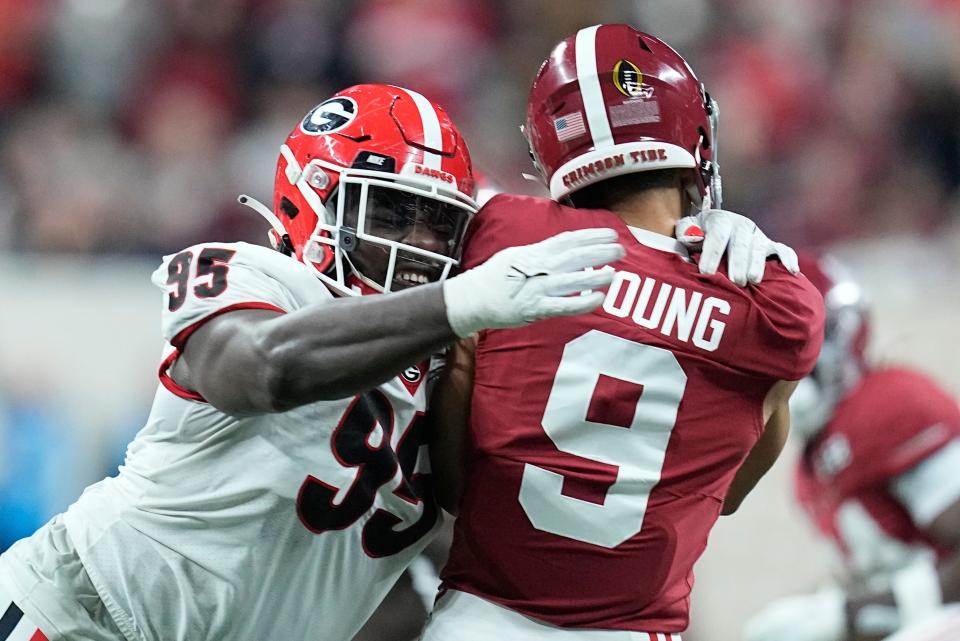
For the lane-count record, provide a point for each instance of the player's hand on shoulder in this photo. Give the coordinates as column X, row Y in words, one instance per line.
column 806, row 617
column 520, row 285
column 714, row 232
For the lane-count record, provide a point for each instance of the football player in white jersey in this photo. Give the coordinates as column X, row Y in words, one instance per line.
column 280, row 485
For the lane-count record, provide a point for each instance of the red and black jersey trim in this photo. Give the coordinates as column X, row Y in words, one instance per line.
column 180, row 340
column 181, row 337
column 9, row 621
column 171, row 384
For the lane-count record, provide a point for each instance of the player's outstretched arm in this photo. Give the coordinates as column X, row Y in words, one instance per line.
column 766, row 450
column 256, row 361
column 253, row 361
column 449, row 419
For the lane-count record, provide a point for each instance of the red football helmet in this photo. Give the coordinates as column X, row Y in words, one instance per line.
column 369, row 162
column 611, row 100
column 843, row 355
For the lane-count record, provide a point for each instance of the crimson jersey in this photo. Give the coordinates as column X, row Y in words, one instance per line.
column 892, row 421
column 602, row 446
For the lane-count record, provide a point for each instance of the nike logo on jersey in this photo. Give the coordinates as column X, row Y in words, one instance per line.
column 687, row 316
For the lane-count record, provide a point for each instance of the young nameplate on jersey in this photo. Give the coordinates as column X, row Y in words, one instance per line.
column 878, row 477
column 280, row 484
column 586, row 482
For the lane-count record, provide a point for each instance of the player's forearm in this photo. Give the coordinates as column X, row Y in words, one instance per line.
column 350, row 345
column 759, row 461
column 449, row 420
column 447, row 453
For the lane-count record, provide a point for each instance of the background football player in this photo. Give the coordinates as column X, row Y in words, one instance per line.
column 587, row 482
column 279, row 486
column 878, row 477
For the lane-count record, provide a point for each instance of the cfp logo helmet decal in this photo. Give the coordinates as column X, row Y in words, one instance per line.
column 628, row 79
column 330, row 116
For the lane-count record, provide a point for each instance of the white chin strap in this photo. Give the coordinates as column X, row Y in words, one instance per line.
column 264, row 211
column 280, row 242
column 714, row 196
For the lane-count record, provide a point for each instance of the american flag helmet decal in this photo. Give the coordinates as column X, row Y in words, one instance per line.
column 569, row 126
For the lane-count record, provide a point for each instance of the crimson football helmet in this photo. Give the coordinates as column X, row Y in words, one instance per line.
column 363, row 169
column 612, row 100
column 842, row 358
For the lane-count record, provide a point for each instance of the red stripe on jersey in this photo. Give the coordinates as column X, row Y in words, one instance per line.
column 181, row 338
column 172, row 385
column 39, row 636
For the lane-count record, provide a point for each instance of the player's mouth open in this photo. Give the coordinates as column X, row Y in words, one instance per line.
column 409, row 275
column 412, row 278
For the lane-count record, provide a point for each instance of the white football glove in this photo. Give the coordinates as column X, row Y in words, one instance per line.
column 519, row 285
column 808, row 617
column 716, row 231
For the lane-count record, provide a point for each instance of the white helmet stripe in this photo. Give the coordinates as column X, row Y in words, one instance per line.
column 586, row 52
column 431, row 129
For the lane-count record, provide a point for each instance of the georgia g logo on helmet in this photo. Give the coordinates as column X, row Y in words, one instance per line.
column 332, row 115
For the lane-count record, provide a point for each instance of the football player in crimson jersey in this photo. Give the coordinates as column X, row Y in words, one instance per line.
column 878, row 476
column 280, row 485
column 588, row 458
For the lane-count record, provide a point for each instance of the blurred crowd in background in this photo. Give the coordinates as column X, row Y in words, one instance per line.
column 129, row 127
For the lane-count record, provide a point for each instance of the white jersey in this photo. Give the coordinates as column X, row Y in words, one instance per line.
column 281, row 526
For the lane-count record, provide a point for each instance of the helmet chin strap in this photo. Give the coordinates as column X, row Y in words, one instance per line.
column 715, row 190
column 262, row 209
column 383, row 289
column 354, row 271
column 283, row 238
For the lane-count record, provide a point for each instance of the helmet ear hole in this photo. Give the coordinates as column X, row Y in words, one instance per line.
column 288, row 208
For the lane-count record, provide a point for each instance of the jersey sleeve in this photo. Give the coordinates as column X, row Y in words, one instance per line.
column 788, row 322
column 897, row 419
column 205, row 281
